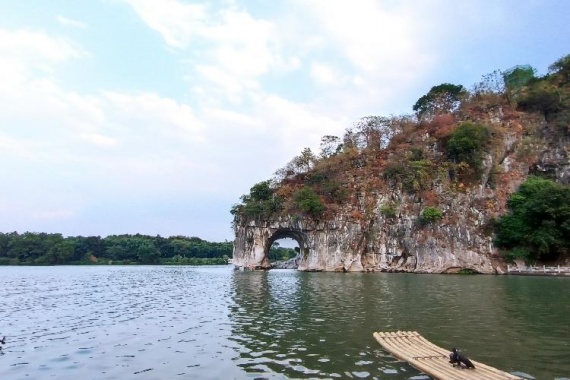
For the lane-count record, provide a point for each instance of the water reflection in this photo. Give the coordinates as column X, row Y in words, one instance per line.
column 307, row 325
column 319, row 325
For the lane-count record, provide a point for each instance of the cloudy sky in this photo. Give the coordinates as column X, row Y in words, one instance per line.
column 155, row 116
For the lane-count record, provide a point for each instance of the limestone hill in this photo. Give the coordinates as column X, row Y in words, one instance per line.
column 417, row 193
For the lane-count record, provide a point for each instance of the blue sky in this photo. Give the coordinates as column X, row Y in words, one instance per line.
column 155, row 116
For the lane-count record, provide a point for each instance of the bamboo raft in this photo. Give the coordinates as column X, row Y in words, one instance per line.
column 434, row 360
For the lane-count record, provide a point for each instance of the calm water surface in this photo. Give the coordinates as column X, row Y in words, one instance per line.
column 161, row 322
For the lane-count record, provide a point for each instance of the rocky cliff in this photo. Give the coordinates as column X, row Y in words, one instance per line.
column 410, row 204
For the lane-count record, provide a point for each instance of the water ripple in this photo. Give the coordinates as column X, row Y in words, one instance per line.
column 212, row 323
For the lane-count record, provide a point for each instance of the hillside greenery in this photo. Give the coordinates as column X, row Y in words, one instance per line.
column 537, row 226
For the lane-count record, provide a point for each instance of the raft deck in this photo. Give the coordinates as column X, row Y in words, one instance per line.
column 433, row 360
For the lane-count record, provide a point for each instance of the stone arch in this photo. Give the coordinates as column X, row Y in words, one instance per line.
column 254, row 239
column 323, row 246
column 284, row 233
column 299, row 236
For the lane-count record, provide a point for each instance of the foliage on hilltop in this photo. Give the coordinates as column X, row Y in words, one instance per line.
column 443, row 145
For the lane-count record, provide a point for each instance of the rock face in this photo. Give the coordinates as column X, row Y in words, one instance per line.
column 462, row 239
column 341, row 245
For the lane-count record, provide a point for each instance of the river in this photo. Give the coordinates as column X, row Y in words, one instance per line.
column 168, row 322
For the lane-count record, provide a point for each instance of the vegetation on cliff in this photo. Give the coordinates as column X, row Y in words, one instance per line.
column 454, row 144
column 537, row 226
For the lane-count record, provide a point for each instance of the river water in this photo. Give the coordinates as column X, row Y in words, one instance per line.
column 166, row 322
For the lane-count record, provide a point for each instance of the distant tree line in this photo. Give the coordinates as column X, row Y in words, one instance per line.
column 31, row 248
column 278, row 253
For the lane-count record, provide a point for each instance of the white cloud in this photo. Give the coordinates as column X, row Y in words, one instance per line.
column 177, row 22
column 383, row 46
column 228, row 48
column 12, row 148
column 69, row 22
column 89, row 144
column 36, row 48
column 99, row 140
column 148, row 112
column 366, row 34
column 326, row 75
column 362, row 51
column 298, row 125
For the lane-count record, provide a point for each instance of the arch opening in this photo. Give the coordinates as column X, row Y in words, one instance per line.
column 284, row 248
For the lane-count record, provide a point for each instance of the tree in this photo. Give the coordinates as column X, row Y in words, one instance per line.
column 147, row 253
column 373, row 132
column 305, row 161
column 309, row 202
column 466, row 144
column 517, row 78
column 430, row 215
column 61, row 253
column 298, row 165
column 543, row 97
column 561, row 68
column 443, row 98
column 120, row 247
column 260, row 202
column 87, row 246
column 261, row 191
column 492, row 83
column 550, row 95
column 330, row 145
column 537, row 226
column 180, row 247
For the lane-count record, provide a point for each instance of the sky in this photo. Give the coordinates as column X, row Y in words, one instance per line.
column 155, row 116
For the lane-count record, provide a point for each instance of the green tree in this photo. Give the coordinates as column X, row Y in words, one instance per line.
column 550, row 95
column 146, row 251
column 261, row 191
column 305, row 161
column 309, row 202
column 537, row 226
column 443, row 98
column 561, row 68
column 466, row 144
column 180, row 247
column 61, row 253
column 543, row 97
column 87, row 246
column 430, row 215
column 517, row 78
column 260, row 202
